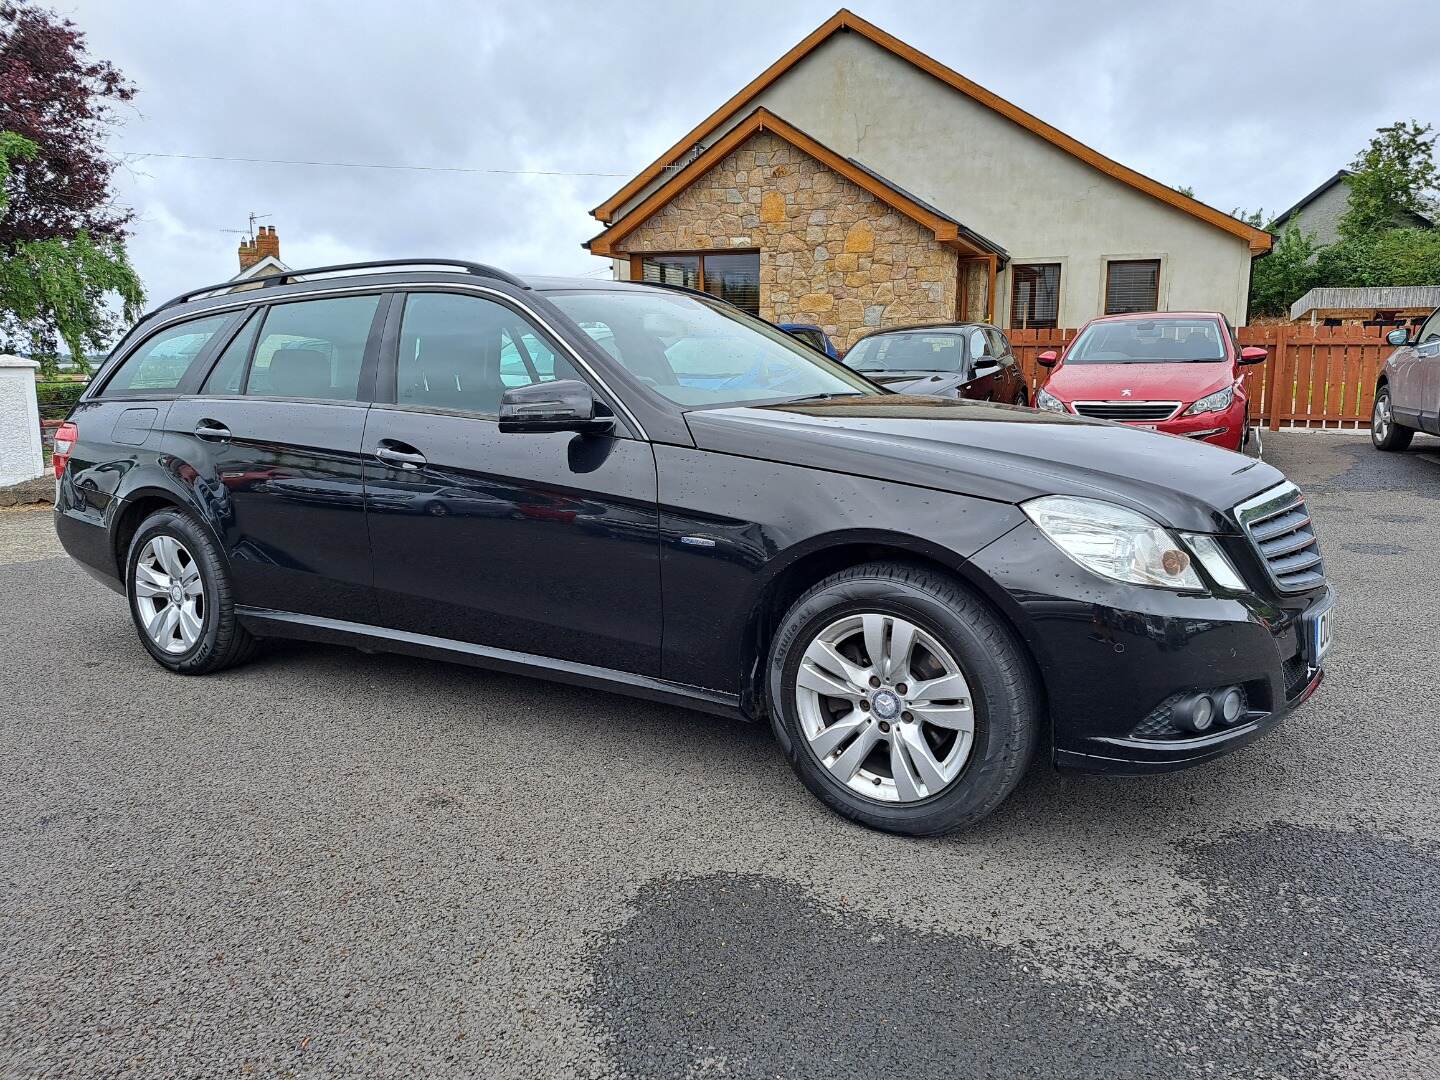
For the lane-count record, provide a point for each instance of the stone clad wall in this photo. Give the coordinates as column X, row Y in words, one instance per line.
column 830, row 253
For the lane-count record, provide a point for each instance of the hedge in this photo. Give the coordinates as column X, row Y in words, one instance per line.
column 57, row 397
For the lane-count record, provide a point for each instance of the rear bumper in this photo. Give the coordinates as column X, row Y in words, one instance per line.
column 85, row 539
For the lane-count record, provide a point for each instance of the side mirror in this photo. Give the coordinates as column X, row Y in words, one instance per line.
column 1252, row 354
column 562, row 405
column 1398, row 336
column 1048, row 358
column 985, row 365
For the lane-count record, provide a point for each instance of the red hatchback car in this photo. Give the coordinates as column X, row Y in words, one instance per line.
column 1176, row 372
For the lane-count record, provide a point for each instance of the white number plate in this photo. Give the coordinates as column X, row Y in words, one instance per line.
column 1319, row 643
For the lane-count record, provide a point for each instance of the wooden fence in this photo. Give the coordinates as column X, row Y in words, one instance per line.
column 1320, row 376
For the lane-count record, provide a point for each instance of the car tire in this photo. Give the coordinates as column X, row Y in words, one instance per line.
column 924, row 794
column 1385, row 433
column 181, row 597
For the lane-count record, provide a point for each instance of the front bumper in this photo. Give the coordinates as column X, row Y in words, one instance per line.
column 1225, row 429
column 1114, row 657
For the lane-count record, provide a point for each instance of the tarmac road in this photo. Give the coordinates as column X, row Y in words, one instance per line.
column 328, row 864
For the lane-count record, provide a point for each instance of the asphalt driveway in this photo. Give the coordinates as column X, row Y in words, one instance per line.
column 333, row 864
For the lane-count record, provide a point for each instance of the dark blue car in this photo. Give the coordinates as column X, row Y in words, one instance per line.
column 813, row 336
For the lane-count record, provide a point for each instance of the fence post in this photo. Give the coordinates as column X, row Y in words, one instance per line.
column 1278, row 375
column 21, row 456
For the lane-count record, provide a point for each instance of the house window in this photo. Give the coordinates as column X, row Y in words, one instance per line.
column 1132, row 285
column 1035, row 296
column 732, row 276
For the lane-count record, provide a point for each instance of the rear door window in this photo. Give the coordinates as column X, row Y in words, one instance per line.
column 313, row 349
column 161, row 363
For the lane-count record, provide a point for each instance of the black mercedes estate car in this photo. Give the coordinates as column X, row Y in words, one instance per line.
column 642, row 489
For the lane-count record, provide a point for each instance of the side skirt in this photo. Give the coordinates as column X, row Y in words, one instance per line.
column 265, row 622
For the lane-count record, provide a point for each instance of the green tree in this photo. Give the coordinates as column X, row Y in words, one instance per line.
column 1284, row 275
column 62, row 286
column 1391, row 179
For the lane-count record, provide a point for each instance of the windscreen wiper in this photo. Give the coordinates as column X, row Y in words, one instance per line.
column 826, row 397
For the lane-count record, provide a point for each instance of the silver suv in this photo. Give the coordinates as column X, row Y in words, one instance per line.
column 1407, row 397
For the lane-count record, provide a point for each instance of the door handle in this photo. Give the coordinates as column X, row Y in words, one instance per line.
column 212, row 431
column 391, row 453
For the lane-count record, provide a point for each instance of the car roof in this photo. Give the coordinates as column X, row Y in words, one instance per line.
column 934, row 328
column 383, row 274
column 1158, row 316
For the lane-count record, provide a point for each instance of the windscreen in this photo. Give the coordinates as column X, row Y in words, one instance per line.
column 699, row 353
column 908, row 352
column 1148, row 341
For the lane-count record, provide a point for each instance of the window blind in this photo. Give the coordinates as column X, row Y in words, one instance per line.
column 1132, row 285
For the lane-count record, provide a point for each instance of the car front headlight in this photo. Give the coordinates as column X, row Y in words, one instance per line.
column 1046, row 400
column 1217, row 564
column 1219, row 401
column 1114, row 542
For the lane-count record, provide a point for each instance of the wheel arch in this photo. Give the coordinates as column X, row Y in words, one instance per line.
column 802, row 568
column 140, row 503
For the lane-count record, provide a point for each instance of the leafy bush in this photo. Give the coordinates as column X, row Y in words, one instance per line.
column 58, row 397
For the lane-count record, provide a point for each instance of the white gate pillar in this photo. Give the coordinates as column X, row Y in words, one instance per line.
column 21, row 456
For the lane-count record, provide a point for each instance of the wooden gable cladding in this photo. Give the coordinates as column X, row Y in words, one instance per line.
column 944, row 229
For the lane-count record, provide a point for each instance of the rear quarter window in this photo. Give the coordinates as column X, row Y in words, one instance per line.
column 160, row 364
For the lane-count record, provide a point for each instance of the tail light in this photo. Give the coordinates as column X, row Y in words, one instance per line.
column 65, row 437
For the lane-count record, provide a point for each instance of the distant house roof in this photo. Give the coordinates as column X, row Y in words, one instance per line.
column 944, row 227
column 1351, row 303
column 268, row 265
column 1280, row 222
column 844, row 21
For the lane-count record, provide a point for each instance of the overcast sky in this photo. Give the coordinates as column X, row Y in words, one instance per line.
column 1252, row 104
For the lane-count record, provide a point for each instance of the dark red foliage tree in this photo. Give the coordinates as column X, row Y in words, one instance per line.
column 54, row 94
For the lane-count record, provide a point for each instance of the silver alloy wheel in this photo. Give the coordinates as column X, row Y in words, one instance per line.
column 885, row 707
column 1380, row 420
column 169, row 594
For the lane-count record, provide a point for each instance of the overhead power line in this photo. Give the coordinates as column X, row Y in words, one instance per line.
column 135, row 155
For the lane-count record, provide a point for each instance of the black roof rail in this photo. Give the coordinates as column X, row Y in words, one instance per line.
column 269, row 280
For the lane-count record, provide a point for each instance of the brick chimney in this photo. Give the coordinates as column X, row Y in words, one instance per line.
column 266, row 242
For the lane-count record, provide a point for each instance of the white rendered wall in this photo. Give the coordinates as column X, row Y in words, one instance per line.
column 21, row 457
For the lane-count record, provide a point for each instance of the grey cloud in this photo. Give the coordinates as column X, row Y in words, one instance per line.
column 1252, row 105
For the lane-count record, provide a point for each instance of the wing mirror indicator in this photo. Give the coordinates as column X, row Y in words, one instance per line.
column 562, row 405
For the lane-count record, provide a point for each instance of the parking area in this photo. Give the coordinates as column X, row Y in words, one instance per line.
column 374, row 865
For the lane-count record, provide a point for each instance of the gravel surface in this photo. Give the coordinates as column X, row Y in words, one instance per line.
column 327, row 864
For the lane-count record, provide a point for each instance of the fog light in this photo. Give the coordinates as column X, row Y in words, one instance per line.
column 1232, row 705
column 1194, row 713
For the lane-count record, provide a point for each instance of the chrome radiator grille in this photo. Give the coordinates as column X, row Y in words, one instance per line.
column 1134, row 412
column 1278, row 524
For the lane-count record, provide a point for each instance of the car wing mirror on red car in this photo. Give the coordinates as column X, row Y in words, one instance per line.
column 1048, row 358
column 1252, row 354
